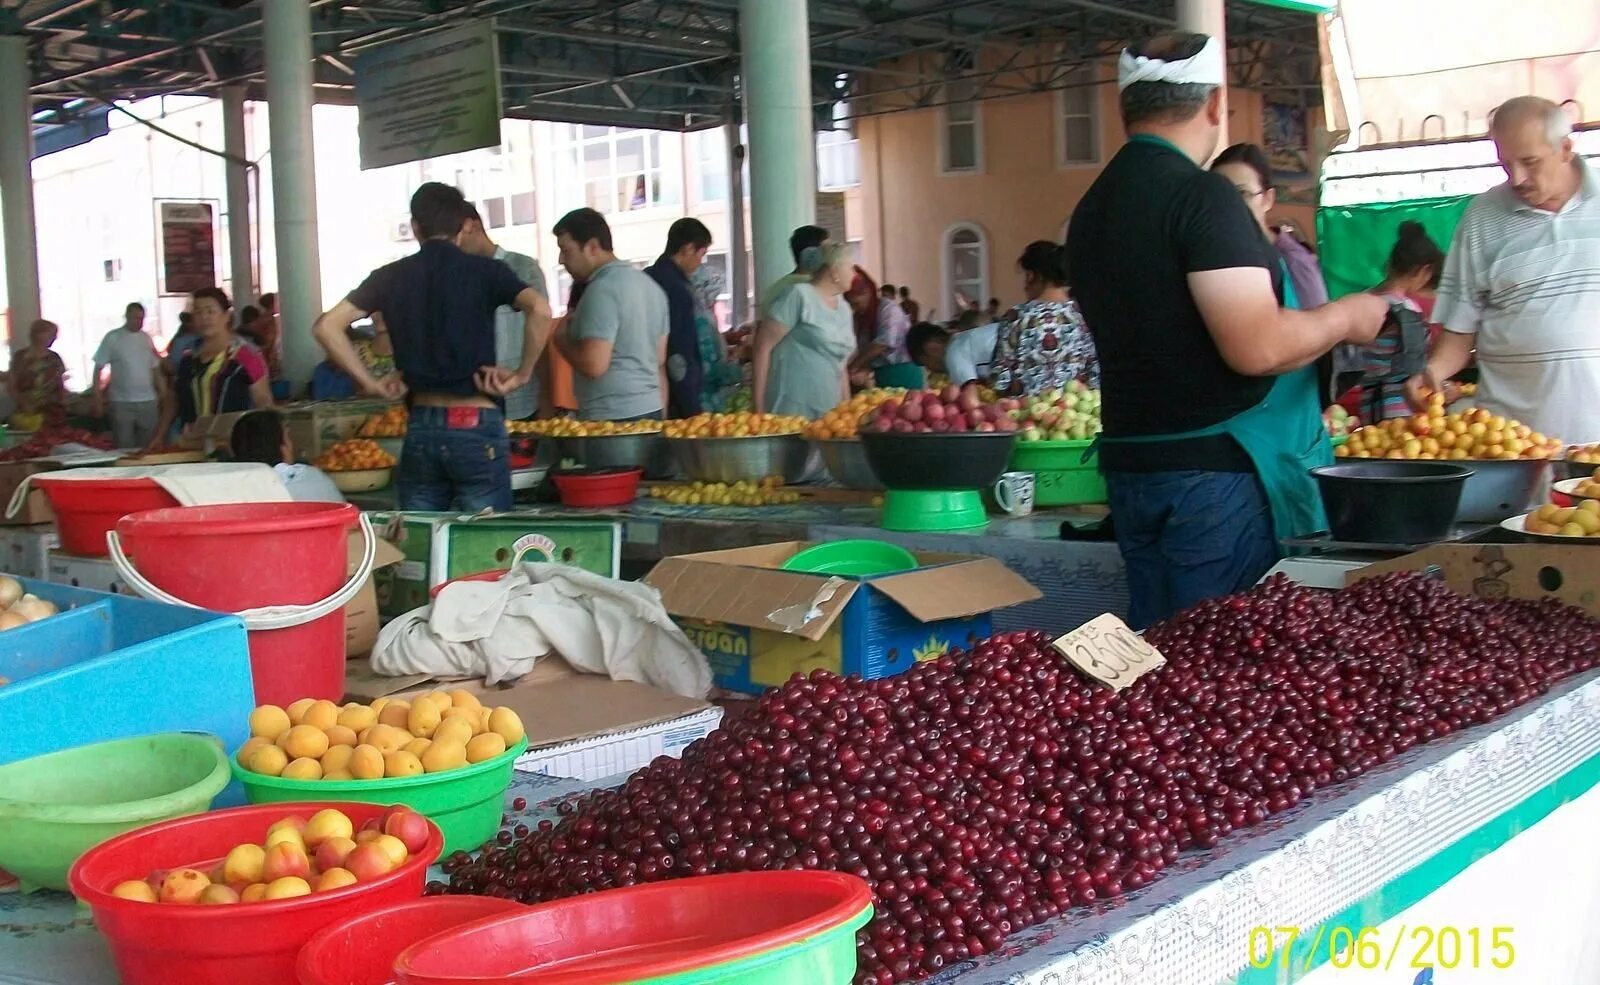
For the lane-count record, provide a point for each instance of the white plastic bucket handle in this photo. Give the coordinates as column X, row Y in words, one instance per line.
column 266, row 617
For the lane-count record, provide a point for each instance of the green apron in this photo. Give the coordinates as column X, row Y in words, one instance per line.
column 1285, row 437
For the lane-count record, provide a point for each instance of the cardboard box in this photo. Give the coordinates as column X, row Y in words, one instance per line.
column 361, row 612
column 97, row 574
column 1496, row 571
column 579, row 725
column 25, row 551
column 35, row 508
column 758, row 625
column 316, row 425
column 442, row 546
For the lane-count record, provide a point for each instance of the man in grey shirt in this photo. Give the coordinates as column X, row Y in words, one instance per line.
column 522, row 402
column 616, row 339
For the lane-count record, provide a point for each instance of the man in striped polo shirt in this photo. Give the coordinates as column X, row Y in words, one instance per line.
column 1522, row 282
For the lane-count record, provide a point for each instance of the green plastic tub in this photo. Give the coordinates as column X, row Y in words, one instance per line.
column 465, row 803
column 859, row 558
column 1065, row 472
column 829, row 958
column 55, row 807
column 933, row 510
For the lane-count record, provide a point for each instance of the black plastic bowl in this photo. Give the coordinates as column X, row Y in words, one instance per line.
column 1391, row 501
column 967, row 460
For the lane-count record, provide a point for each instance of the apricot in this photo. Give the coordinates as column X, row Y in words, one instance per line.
column 357, row 717
column 307, row 741
column 287, row 887
column 485, row 746
column 335, row 878
column 339, row 735
column 464, row 699
column 337, row 758
column 244, row 864
column 417, row 747
column 401, row 763
column 423, row 718
column 218, row 895
column 387, row 738
column 395, row 713
column 304, row 768
column 253, row 893
column 366, row 762
column 285, row 859
column 369, row 861
column 297, row 710
column 249, row 749
column 325, row 824
column 322, row 714
column 443, row 756
column 507, row 725
column 269, row 722
column 135, row 889
column 332, row 852
column 183, row 886
column 454, row 729
column 268, row 760
column 394, row 848
column 408, row 826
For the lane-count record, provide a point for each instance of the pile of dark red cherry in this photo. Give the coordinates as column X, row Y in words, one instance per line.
column 989, row 790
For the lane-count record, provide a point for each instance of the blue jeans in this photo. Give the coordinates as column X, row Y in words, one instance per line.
column 1189, row 536
column 466, row 468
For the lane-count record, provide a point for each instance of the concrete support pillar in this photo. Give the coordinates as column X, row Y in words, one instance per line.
column 242, row 285
column 775, row 55
column 738, row 249
column 1209, row 17
column 286, row 26
column 16, row 188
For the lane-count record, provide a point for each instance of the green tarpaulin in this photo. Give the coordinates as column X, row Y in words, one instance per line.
column 1353, row 241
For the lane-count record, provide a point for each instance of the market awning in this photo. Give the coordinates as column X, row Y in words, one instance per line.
column 1405, row 70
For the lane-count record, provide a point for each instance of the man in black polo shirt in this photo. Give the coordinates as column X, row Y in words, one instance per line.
column 439, row 304
column 687, row 242
column 1211, row 411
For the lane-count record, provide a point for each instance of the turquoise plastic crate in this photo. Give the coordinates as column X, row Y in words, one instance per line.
column 109, row 667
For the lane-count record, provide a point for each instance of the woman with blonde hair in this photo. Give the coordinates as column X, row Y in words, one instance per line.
column 806, row 337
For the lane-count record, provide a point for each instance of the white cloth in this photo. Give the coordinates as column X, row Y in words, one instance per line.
column 968, row 354
column 132, row 358
column 1206, row 68
column 308, row 484
column 500, row 629
column 1527, row 283
column 199, row 484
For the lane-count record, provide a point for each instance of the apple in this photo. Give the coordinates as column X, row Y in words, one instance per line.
column 911, row 411
column 933, row 412
column 950, row 394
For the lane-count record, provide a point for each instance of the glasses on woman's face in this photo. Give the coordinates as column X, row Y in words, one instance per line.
column 1249, row 194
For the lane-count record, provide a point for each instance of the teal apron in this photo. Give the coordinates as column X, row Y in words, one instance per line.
column 1284, row 435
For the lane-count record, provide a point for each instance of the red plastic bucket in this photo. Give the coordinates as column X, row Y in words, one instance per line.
column 603, row 489
column 361, row 951
column 243, row 944
column 250, row 556
column 643, row 932
column 86, row 508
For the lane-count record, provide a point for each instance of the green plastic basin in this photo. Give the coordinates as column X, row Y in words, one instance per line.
column 914, row 510
column 1065, row 473
column 829, row 958
column 859, row 558
column 55, row 807
column 465, row 803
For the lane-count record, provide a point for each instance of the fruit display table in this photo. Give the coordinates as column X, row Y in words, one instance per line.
column 1455, row 839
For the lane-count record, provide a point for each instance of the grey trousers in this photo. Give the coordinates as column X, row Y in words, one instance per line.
column 134, row 424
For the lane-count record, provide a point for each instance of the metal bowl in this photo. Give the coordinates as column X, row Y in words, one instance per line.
column 751, row 459
column 614, row 451
column 847, row 463
column 1501, row 488
column 1566, row 468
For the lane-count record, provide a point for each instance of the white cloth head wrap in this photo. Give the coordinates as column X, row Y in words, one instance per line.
column 1205, row 68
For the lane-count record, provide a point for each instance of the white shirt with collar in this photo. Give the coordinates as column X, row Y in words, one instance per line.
column 1527, row 282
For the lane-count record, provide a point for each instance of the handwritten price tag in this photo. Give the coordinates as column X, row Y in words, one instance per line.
column 1108, row 651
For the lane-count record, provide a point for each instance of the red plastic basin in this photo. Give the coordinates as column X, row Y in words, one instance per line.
column 361, row 951
column 608, row 489
column 639, row 933
column 242, row 944
column 86, row 508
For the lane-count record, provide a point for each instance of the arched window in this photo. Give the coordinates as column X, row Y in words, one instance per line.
column 966, row 267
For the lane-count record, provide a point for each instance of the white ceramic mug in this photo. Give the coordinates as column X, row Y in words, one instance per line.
column 1014, row 492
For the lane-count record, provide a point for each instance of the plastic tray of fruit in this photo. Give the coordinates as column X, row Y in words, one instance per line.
column 1559, row 523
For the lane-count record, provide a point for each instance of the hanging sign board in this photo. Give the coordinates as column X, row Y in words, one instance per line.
column 1107, row 650
column 830, row 215
column 429, row 96
column 188, row 247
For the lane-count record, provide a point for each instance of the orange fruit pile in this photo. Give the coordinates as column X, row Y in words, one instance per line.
column 739, row 425
column 354, row 455
column 389, row 424
column 844, row 420
column 1470, row 434
column 571, row 427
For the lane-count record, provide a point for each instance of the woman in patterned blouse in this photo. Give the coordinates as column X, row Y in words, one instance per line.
column 1042, row 344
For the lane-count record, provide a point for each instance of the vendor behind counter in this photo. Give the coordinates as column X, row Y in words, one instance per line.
column 260, row 436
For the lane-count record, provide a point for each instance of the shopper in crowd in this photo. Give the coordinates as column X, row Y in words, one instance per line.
column 184, row 339
column 246, row 326
column 523, row 402
column 1211, row 410
column 802, row 239
column 912, row 309
column 38, row 377
column 266, row 330
column 928, row 343
column 719, row 373
column 992, row 312
column 863, row 300
column 556, row 393
column 137, row 381
column 1042, row 344
column 616, row 340
column 805, row 340
column 1521, row 284
column 1411, row 276
column 223, row 374
column 885, row 355
column 260, row 436
column 439, row 305
column 970, row 353
column 687, row 243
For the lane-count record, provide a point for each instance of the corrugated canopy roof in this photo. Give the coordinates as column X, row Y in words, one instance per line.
column 669, row 64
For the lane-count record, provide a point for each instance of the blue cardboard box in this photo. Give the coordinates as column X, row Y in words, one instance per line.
column 758, row 624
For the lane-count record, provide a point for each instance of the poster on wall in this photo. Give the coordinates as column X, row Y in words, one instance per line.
column 188, row 246
column 830, row 214
column 429, row 96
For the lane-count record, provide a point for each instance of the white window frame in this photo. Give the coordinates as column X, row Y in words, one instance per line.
column 1060, row 120
column 947, row 267
column 658, row 166
column 977, row 136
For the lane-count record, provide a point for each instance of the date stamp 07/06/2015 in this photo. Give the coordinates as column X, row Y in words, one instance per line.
column 1414, row 947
